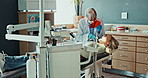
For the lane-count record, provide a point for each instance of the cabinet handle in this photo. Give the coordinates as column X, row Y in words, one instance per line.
column 123, row 56
column 124, row 48
column 146, row 50
column 122, row 65
column 124, row 38
column 124, row 43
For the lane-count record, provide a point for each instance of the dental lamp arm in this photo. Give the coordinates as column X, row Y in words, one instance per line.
column 11, row 28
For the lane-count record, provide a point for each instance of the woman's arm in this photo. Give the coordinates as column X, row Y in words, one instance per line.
column 81, row 30
column 102, row 32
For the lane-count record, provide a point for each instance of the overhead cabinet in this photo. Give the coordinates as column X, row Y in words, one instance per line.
column 34, row 4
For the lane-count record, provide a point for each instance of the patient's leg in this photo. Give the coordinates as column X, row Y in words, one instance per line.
column 88, row 72
column 12, row 62
column 98, row 68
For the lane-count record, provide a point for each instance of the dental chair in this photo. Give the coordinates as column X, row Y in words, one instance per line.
column 15, row 73
column 87, row 63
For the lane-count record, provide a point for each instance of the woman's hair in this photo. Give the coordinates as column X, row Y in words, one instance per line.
column 113, row 44
column 91, row 14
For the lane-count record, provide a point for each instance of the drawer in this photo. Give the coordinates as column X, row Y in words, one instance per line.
column 123, row 65
column 127, row 43
column 125, row 38
column 127, row 48
column 139, row 49
column 141, row 68
column 142, row 44
column 142, row 58
column 122, row 55
column 142, row 39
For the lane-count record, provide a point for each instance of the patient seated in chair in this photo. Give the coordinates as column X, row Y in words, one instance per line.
column 106, row 46
column 107, row 43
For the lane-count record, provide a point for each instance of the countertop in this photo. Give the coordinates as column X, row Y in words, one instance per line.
column 140, row 33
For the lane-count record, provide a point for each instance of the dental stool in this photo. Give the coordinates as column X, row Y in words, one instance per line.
column 85, row 66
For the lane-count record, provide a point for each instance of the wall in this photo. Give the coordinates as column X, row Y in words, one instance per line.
column 8, row 15
column 64, row 12
column 111, row 10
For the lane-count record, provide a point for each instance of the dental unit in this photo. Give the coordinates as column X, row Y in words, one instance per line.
column 52, row 50
column 55, row 61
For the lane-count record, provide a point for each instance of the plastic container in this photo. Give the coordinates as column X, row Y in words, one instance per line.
column 31, row 67
column 120, row 28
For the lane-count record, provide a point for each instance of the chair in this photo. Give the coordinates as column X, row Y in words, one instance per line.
column 87, row 64
column 15, row 73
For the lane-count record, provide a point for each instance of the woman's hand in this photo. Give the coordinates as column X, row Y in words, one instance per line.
column 91, row 37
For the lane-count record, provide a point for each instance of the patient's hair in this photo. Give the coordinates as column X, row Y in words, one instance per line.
column 113, row 44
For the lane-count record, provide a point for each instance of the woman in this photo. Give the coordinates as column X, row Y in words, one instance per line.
column 90, row 27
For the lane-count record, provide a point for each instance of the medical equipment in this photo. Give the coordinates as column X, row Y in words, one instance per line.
column 41, row 48
column 67, row 55
column 68, row 52
column 31, row 67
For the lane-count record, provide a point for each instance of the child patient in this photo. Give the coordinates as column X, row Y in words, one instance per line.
column 107, row 43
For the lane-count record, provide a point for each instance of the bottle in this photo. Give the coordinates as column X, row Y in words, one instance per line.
column 31, row 67
column 126, row 29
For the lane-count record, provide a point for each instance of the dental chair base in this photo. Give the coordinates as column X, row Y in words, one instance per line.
column 88, row 68
column 65, row 61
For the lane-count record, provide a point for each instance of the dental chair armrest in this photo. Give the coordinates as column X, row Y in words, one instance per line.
column 90, row 50
column 100, row 57
column 87, row 61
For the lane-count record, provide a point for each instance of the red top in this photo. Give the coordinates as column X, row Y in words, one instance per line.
column 95, row 24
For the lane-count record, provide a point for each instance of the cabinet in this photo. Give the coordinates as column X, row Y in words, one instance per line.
column 142, row 55
column 132, row 54
column 31, row 17
column 124, row 57
column 34, row 4
column 65, row 60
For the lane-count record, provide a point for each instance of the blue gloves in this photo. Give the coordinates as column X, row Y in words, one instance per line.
column 91, row 36
column 99, row 28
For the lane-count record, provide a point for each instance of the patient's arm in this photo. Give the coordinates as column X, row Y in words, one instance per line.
column 101, row 47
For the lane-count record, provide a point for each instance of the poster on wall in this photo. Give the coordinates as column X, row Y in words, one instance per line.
column 33, row 18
